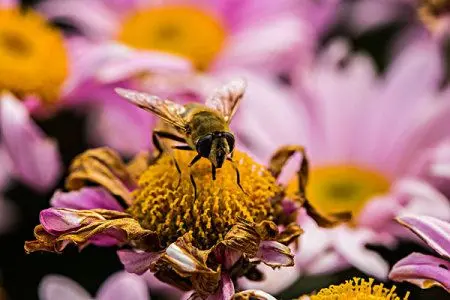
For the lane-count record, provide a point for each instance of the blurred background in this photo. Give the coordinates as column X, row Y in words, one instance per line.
column 21, row 274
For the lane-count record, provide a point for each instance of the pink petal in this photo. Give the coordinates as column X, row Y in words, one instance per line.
column 56, row 287
column 122, row 126
column 123, row 286
column 250, row 48
column 92, row 17
column 137, row 262
column 435, row 232
column 58, row 221
column 5, row 170
column 422, row 198
column 271, row 282
column 422, row 270
column 225, row 290
column 351, row 245
column 9, row 3
column 86, row 198
column 35, row 157
column 275, row 254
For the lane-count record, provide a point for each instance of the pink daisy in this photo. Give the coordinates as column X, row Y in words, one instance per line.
column 370, row 139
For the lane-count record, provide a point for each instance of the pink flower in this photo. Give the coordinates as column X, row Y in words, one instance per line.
column 368, row 138
column 212, row 34
column 426, row 270
column 119, row 286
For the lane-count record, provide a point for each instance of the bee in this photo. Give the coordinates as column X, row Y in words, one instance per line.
column 203, row 128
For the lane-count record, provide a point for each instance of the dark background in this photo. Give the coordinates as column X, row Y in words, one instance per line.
column 20, row 274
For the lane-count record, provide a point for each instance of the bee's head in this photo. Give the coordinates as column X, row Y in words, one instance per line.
column 216, row 146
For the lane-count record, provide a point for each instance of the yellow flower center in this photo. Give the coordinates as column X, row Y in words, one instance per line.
column 181, row 30
column 33, row 58
column 342, row 188
column 171, row 211
column 357, row 289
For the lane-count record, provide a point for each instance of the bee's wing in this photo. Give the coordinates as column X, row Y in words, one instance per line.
column 167, row 110
column 226, row 98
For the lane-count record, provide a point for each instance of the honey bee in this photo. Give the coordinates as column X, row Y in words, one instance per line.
column 203, row 128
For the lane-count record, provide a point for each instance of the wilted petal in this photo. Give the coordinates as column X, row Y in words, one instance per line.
column 56, row 287
column 137, row 262
column 60, row 227
column 225, row 290
column 35, row 158
column 104, row 167
column 57, row 221
column 435, row 232
column 253, row 294
column 422, row 270
column 275, row 254
column 123, row 286
column 85, row 198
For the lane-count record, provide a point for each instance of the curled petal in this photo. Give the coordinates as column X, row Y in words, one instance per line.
column 243, row 238
column 104, row 167
column 35, row 158
column 60, row 227
column 422, row 270
column 326, row 221
column 187, row 263
column 275, row 254
column 86, row 198
column 137, row 262
column 435, row 232
column 290, row 234
column 253, row 294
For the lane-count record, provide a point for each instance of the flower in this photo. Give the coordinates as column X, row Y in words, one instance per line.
column 367, row 137
column 357, row 288
column 424, row 270
column 211, row 35
column 120, row 285
column 198, row 244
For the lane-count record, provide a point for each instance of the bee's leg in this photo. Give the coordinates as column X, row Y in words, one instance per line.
column 183, row 147
column 196, row 159
column 238, row 175
column 213, row 171
column 157, row 136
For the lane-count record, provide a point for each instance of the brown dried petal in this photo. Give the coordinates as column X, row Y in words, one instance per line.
column 188, row 262
column 289, row 234
column 94, row 225
column 138, row 165
column 252, row 295
column 104, row 167
column 326, row 221
column 244, row 238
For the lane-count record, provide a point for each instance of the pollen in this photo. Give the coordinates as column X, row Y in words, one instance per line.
column 167, row 206
column 181, row 30
column 33, row 58
column 358, row 289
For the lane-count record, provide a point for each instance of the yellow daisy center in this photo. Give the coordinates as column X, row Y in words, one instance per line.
column 342, row 188
column 171, row 211
column 358, row 289
column 181, row 30
column 33, row 58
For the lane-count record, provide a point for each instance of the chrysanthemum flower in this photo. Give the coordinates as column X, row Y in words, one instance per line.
column 424, row 270
column 368, row 138
column 40, row 70
column 211, row 34
column 119, row 286
column 200, row 244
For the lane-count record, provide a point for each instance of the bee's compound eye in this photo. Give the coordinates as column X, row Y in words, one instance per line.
column 204, row 145
column 230, row 140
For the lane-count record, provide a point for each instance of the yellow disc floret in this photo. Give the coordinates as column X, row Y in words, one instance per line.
column 358, row 289
column 169, row 209
column 33, row 58
column 342, row 188
column 181, row 30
